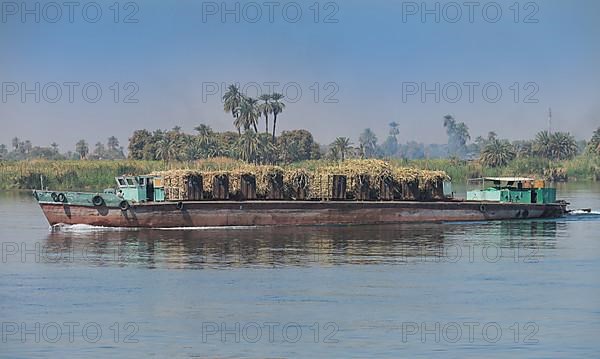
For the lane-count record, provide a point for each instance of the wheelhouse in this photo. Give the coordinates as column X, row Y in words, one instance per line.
column 510, row 190
column 141, row 188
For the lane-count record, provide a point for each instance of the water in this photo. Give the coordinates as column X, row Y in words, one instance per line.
column 526, row 289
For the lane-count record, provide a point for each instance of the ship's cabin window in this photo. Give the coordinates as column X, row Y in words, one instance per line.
column 130, row 182
column 121, row 182
column 142, row 181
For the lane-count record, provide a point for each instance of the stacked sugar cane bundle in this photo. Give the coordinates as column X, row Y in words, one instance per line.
column 181, row 185
column 298, row 182
column 352, row 179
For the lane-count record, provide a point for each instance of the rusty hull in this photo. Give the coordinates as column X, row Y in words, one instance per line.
column 278, row 213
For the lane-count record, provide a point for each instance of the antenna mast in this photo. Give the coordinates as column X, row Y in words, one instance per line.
column 549, row 120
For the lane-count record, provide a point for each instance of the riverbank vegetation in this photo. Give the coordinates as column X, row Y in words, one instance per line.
column 556, row 156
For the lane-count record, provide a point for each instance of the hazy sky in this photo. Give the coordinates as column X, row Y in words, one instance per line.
column 357, row 64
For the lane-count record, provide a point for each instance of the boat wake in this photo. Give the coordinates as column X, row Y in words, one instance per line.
column 584, row 212
column 584, row 215
column 86, row 228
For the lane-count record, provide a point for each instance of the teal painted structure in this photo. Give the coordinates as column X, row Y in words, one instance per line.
column 141, row 188
column 79, row 198
column 511, row 190
column 131, row 189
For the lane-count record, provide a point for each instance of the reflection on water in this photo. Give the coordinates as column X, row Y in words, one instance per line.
column 284, row 246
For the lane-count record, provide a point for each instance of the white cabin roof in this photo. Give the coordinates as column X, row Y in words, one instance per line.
column 509, row 179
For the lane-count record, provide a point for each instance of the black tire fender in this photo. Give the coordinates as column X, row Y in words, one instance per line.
column 97, row 200
column 62, row 198
column 179, row 206
column 54, row 196
column 482, row 208
column 124, row 205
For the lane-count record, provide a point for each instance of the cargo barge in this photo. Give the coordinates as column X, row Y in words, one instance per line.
column 144, row 202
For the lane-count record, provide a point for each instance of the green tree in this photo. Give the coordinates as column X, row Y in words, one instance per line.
column 15, row 143
column 555, row 146
column 3, row 151
column 523, row 149
column 248, row 113
column 266, row 108
column 54, row 147
column 266, row 149
column 99, row 151
column 296, row 145
column 140, row 144
column 277, row 107
column 368, row 143
column 168, row 148
column 394, row 131
column 497, row 153
column 593, row 146
column 82, row 149
column 342, row 146
column 565, row 146
column 248, row 146
column 206, row 142
column 458, row 135
column 390, row 145
column 227, row 144
column 27, row 146
column 232, row 101
column 112, row 143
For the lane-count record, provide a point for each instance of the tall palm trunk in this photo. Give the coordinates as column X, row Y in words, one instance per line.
column 266, row 122
column 274, row 124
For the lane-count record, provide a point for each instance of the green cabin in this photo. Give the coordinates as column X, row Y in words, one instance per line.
column 141, row 188
column 510, row 190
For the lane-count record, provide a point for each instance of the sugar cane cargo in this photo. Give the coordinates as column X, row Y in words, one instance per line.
column 353, row 192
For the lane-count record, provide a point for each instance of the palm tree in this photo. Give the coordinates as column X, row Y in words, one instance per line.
column 497, row 153
column 449, row 123
column 542, row 144
column 343, row 145
column 205, row 134
column 458, row 135
column 99, row 151
column 555, row 146
column 265, row 108
column 594, row 145
column 27, row 146
column 368, row 143
column 82, row 149
column 54, row 146
column 394, row 131
column 112, row 143
column 266, row 149
column 193, row 148
column 248, row 113
column 564, row 146
column 462, row 133
column 168, row 149
column 523, row 149
column 232, row 100
column 248, row 146
column 277, row 108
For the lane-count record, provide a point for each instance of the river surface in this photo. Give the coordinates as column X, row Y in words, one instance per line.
column 528, row 289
